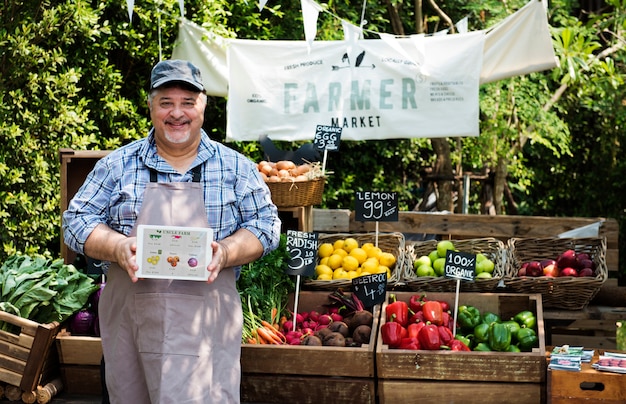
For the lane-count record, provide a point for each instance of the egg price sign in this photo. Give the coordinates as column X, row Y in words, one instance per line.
column 327, row 138
column 302, row 247
column 374, row 206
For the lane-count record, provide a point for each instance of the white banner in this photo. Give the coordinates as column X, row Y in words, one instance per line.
column 301, row 86
column 366, row 87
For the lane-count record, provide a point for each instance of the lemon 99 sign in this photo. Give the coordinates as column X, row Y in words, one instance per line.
column 374, row 206
column 302, row 248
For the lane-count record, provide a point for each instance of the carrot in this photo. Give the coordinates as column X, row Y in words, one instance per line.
column 268, row 336
column 273, row 315
column 251, row 340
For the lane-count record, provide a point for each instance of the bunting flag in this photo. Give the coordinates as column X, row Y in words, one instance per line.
column 262, row 4
column 310, row 13
column 130, row 4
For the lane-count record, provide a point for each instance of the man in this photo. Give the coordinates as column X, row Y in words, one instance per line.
column 172, row 341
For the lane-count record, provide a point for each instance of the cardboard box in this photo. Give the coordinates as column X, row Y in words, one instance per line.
column 282, row 373
column 26, row 358
column 441, row 372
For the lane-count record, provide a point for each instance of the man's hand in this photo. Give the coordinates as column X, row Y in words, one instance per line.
column 126, row 256
column 219, row 260
column 106, row 244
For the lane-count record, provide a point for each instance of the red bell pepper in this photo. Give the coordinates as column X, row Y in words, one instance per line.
column 456, row 345
column 409, row 343
column 433, row 312
column 391, row 333
column 397, row 311
column 413, row 329
column 445, row 306
column 415, row 303
column 417, row 317
column 446, row 320
column 429, row 337
column 445, row 334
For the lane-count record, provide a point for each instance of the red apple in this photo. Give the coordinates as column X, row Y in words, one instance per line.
column 545, row 263
column 551, row 270
column 585, row 263
column 586, row 272
column 534, row 269
column 569, row 271
column 566, row 259
column 522, row 271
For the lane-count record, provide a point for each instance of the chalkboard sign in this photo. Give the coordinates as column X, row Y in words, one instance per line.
column 374, row 206
column 327, row 137
column 302, row 248
column 370, row 289
column 460, row 265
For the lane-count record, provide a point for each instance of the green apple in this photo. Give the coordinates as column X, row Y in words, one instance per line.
column 485, row 266
column 484, row 275
column 443, row 246
column 439, row 266
column 425, row 270
column 433, row 255
column 423, row 260
column 480, row 257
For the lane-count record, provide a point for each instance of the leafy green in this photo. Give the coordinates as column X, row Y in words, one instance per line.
column 265, row 283
column 42, row 290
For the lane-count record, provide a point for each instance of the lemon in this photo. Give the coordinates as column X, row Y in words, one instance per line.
column 334, row 261
column 387, row 259
column 338, row 244
column 367, row 246
column 382, row 269
column 324, row 261
column 340, row 273
column 359, row 254
column 324, row 277
column 350, row 263
column 374, row 252
column 350, row 244
column 325, row 250
column 323, row 269
column 340, row 251
column 352, row 274
column 370, row 265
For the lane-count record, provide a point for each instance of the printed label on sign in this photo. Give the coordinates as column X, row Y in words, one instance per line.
column 374, row 206
column 327, row 137
column 460, row 265
column 302, row 247
column 370, row 289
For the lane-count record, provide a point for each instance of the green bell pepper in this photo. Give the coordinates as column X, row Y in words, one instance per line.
column 482, row 347
column 489, row 317
column 464, row 339
column 499, row 337
column 468, row 317
column 514, row 327
column 513, row 348
column 481, row 332
column 527, row 339
column 526, row 319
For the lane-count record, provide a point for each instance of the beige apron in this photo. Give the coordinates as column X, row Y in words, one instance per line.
column 167, row 342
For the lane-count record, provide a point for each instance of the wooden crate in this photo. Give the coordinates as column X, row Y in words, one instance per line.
column 79, row 360
column 407, row 391
column 588, row 385
column 25, row 358
column 471, row 367
column 282, row 373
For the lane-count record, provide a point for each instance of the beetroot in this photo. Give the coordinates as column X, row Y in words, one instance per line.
column 81, row 323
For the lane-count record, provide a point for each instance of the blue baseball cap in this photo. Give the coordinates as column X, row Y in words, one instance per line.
column 172, row 71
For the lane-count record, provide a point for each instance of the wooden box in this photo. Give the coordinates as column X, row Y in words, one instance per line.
column 447, row 374
column 588, row 385
column 79, row 359
column 27, row 359
column 309, row 374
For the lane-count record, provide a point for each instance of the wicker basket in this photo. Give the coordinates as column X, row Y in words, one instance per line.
column 388, row 242
column 289, row 194
column 494, row 249
column 566, row 293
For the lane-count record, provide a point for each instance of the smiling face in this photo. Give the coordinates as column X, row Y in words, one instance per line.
column 177, row 116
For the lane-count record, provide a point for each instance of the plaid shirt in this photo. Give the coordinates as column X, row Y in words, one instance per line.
column 235, row 195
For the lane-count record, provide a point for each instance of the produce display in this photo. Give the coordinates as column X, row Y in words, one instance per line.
column 346, row 258
column 286, row 170
column 433, row 263
column 568, row 263
column 42, row 290
column 427, row 324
